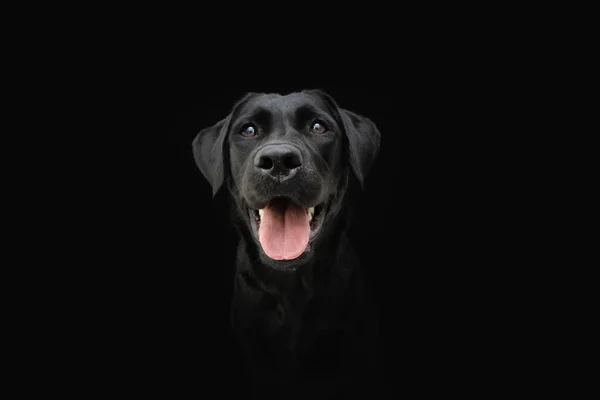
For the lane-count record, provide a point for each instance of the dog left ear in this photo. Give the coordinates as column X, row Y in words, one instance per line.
column 362, row 135
column 208, row 153
column 364, row 140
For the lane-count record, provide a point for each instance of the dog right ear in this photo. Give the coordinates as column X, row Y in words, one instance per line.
column 208, row 153
column 209, row 147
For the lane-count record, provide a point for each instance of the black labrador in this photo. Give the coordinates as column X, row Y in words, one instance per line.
column 293, row 164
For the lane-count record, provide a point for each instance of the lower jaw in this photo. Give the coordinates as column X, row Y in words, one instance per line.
column 286, row 265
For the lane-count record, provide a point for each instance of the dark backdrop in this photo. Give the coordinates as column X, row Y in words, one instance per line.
column 429, row 226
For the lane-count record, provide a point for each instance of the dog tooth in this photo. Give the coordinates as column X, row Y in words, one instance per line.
column 311, row 211
column 261, row 212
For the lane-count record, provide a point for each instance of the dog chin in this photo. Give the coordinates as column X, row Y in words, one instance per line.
column 285, row 265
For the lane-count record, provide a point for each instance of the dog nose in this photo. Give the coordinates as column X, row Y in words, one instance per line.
column 278, row 160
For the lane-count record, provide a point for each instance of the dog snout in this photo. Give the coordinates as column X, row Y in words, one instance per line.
column 280, row 161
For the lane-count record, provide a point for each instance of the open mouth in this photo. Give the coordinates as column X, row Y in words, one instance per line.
column 284, row 229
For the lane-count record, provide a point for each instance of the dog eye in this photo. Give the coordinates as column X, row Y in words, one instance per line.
column 318, row 127
column 249, row 131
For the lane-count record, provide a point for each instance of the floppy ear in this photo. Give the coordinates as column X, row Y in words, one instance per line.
column 209, row 147
column 363, row 140
column 362, row 135
column 208, row 153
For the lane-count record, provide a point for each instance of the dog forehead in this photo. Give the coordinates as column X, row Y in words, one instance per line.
column 285, row 104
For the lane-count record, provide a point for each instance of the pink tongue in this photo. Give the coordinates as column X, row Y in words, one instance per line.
column 283, row 231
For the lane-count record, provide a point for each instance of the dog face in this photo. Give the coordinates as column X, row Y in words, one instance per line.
column 287, row 161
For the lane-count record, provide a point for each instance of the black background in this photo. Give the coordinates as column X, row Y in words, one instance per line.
column 448, row 234
column 458, row 231
column 430, row 234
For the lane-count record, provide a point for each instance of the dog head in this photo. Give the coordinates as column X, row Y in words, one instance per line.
column 287, row 161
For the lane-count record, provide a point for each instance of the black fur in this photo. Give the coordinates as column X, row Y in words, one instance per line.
column 307, row 326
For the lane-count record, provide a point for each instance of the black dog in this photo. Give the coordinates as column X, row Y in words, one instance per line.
column 293, row 164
